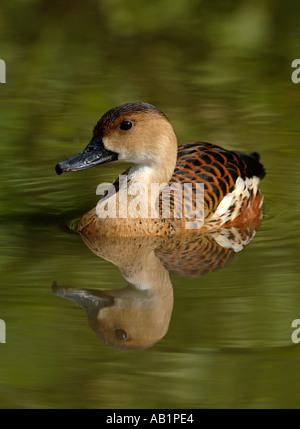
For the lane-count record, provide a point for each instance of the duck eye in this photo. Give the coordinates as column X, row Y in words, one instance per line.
column 126, row 125
column 121, row 334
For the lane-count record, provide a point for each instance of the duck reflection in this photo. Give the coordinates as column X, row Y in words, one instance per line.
column 138, row 315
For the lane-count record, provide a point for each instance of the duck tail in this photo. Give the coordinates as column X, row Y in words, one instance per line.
column 254, row 166
column 255, row 155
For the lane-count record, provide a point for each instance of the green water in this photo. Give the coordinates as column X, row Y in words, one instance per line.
column 221, row 71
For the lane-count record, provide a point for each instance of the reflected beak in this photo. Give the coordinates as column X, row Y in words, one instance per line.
column 92, row 301
column 94, row 154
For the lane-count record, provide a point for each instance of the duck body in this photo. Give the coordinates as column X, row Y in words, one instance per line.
column 142, row 135
column 230, row 181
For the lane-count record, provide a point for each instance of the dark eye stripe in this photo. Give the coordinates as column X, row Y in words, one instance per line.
column 126, row 125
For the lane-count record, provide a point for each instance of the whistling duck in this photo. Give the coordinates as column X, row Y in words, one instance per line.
column 142, row 135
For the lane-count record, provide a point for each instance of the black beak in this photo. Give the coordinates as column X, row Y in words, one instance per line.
column 92, row 301
column 94, row 154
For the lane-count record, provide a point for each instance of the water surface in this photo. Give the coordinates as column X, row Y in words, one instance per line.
column 222, row 74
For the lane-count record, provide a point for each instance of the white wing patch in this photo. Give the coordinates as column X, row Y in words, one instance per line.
column 232, row 238
column 230, row 206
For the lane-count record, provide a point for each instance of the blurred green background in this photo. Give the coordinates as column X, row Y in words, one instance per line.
column 221, row 71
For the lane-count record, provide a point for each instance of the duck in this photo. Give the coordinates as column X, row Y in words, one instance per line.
column 142, row 135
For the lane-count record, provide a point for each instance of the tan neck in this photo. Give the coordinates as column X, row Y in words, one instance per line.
column 161, row 169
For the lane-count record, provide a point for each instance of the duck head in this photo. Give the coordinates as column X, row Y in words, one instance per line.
column 138, row 133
